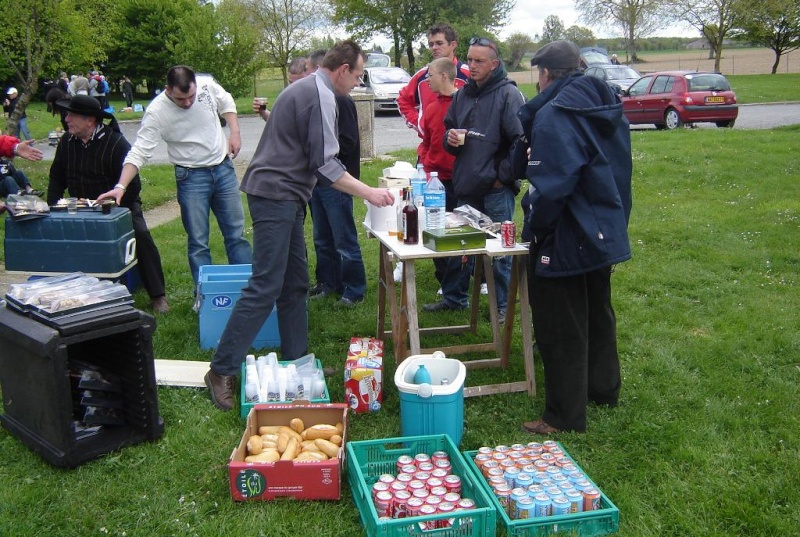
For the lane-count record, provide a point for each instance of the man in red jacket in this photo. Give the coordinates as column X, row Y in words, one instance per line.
column 417, row 94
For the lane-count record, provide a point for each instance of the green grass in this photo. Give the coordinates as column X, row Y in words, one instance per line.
column 706, row 440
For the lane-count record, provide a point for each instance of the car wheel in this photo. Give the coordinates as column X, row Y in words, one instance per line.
column 726, row 124
column 672, row 120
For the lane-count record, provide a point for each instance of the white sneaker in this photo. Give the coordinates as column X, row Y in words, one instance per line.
column 484, row 289
column 398, row 272
column 439, row 292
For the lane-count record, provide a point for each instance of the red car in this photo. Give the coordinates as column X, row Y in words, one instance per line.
column 671, row 99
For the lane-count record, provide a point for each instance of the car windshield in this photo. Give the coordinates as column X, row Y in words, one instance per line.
column 389, row 76
column 622, row 74
column 708, row 82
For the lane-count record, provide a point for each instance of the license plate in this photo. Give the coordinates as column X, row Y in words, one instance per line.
column 715, row 100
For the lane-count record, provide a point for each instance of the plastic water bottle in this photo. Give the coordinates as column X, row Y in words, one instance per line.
column 422, row 376
column 434, row 203
column 418, row 181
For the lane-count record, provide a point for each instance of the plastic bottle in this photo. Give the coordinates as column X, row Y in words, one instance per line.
column 422, row 376
column 434, row 203
column 410, row 222
column 418, row 181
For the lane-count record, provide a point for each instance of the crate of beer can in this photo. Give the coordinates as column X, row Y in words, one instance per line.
column 545, row 492
column 387, row 492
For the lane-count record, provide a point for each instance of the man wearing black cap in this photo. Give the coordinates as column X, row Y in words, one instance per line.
column 579, row 168
column 88, row 161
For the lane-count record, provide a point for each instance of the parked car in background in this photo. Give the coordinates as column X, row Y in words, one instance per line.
column 594, row 56
column 671, row 99
column 619, row 77
column 375, row 59
column 384, row 83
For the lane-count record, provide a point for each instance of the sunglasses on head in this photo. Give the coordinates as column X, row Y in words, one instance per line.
column 483, row 42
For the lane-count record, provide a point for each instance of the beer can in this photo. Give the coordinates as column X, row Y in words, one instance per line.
column 591, row 499
column 560, row 506
column 508, row 234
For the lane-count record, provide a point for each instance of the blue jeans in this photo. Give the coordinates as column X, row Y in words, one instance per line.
column 340, row 267
column 214, row 188
column 280, row 276
column 498, row 205
column 22, row 128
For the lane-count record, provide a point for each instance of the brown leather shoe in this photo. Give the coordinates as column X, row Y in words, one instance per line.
column 539, row 427
column 220, row 388
column 159, row 304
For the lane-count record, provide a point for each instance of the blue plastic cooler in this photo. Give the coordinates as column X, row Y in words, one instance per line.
column 435, row 408
column 219, row 288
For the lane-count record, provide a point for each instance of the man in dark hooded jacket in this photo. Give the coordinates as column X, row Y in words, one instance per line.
column 579, row 168
column 484, row 112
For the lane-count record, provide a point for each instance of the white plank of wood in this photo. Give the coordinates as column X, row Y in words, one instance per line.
column 184, row 373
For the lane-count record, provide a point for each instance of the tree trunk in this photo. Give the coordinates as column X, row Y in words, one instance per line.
column 777, row 61
column 410, row 54
column 397, row 52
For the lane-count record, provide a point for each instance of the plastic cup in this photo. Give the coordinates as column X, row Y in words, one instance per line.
column 72, row 205
column 391, row 226
column 462, row 136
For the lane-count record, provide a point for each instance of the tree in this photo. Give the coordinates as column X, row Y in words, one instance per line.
column 213, row 40
column 715, row 19
column 774, row 24
column 147, row 32
column 285, row 28
column 583, row 37
column 518, row 45
column 635, row 19
column 44, row 35
column 553, row 30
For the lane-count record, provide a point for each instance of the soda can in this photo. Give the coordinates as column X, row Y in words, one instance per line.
column 416, row 484
column 553, row 492
column 525, row 508
column 444, row 464
column 485, row 450
column 591, row 499
column 502, row 449
column 549, row 444
column 403, row 460
column 445, row 507
column 535, row 489
column 523, row 480
column 583, row 485
column 425, row 466
column 511, row 475
column 576, row 476
column 421, row 457
column 438, row 491
column 565, row 486
column 560, row 506
column 380, row 486
column 453, row 483
column 452, row 497
column 404, row 478
column 408, row 469
column 569, row 468
column 434, row 482
column 386, row 478
column 466, row 504
column 383, row 503
column 481, row 458
column 439, row 455
column 508, row 234
column 433, row 500
column 413, row 506
column 496, row 480
column 503, row 494
column 516, row 495
column 427, row 510
column 422, row 476
column 424, row 493
column 559, row 478
column 400, row 504
column 398, row 485
column 575, row 498
column 495, row 471
column 529, row 469
column 541, row 505
column 441, row 473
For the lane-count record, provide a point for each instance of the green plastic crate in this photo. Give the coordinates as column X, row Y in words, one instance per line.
column 367, row 460
column 603, row 521
column 245, row 406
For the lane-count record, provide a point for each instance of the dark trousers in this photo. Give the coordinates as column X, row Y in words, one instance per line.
column 149, row 264
column 280, row 277
column 575, row 330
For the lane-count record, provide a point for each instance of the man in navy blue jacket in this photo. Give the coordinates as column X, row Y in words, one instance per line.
column 579, row 168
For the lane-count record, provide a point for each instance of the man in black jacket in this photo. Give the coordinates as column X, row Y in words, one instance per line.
column 580, row 199
column 88, row 161
column 484, row 113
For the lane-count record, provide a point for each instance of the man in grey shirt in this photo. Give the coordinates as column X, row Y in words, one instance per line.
column 297, row 149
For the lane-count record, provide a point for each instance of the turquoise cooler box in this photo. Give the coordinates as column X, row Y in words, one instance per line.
column 219, row 288
column 92, row 242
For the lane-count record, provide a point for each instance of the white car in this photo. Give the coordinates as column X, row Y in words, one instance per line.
column 384, row 83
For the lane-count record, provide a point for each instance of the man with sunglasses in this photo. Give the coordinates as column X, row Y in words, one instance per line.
column 484, row 115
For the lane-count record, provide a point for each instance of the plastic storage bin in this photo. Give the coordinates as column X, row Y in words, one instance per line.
column 39, row 395
column 434, row 408
column 367, row 460
column 602, row 521
column 99, row 244
column 219, row 288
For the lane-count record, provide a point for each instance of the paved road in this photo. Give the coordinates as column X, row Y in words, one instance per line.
column 392, row 134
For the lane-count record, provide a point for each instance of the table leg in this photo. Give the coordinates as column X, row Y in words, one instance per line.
column 410, row 298
column 380, row 330
column 526, row 323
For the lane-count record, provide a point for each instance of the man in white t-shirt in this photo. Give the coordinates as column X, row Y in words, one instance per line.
column 186, row 115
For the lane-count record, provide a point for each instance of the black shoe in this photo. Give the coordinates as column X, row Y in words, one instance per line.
column 442, row 305
column 319, row 291
column 348, row 303
column 38, row 193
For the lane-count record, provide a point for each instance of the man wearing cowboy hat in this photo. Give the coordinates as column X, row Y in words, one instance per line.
column 88, row 161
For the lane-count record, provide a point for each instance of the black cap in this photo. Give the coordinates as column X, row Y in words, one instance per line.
column 84, row 105
column 558, row 55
